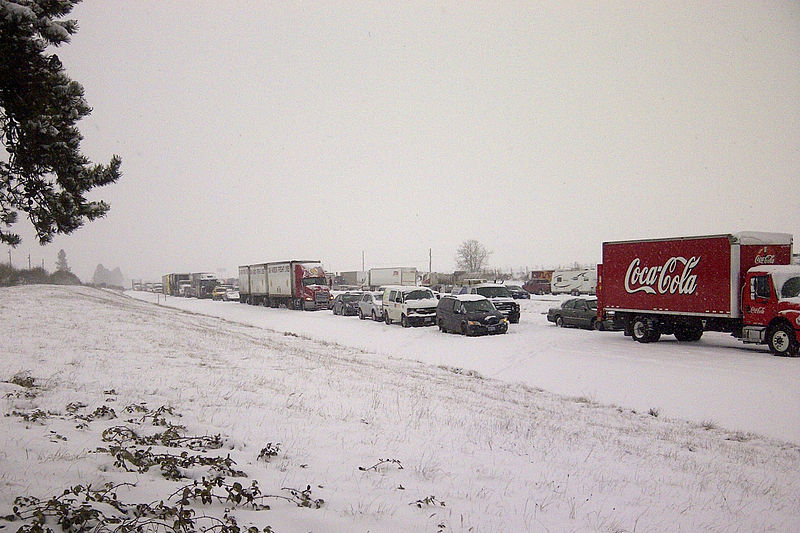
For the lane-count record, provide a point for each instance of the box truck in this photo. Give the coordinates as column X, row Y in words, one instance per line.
column 294, row 284
column 739, row 283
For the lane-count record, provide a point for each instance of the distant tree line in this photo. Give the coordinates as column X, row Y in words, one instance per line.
column 36, row 275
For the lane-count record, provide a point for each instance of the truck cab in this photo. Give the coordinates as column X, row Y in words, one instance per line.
column 771, row 308
column 311, row 287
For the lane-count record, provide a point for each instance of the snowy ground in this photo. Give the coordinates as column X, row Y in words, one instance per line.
column 389, row 443
column 720, row 380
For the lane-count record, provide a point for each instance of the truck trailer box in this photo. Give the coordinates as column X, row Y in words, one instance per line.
column 244, row 280
column 258, row 280
column 691, row 276
column 406, row 276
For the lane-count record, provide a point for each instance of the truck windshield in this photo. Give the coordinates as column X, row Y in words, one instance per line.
column 314, row 281
column 419, row 295
column 493, row 292
column 790, row 288
column 478, row 306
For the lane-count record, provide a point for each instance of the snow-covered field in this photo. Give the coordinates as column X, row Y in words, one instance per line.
column 395, row 429
column 719, row 379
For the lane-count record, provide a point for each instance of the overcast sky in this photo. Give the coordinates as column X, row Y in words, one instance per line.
column 258, row 131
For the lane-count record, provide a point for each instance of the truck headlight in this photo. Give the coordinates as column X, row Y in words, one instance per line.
column 308, row 298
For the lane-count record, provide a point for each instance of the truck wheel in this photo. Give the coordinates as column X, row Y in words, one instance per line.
column 404, row 321
column 559, row 322
column 441, row 326
column 464, row 330
column 782, row 341
column 688, row 333
column 645, row 330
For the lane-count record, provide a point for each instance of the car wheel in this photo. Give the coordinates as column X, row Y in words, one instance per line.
column 404, row 321
column 361, row 314
column 559, row 321
column 440, row 323
column 374, row 316
column 386, row 318
column 464, row 330
column 598, row 325
column 782, row 341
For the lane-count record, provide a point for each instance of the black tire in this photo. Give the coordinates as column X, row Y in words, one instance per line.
column 375, row 316
column 559, row 321
column 782, row 341
column 440, row 323
column 594, row 324
column 688, row 334
column 514, row 320
column 645, row 330
column 361, row 314
column 404, row 321
column 464, row 330
column 387, row 319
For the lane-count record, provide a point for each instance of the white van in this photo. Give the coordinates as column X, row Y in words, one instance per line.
column 409, row 305
column 583, row 281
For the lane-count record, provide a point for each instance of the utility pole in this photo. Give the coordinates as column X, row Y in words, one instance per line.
column 9, row 259
column 430, row 266
column 29, row 261
column 362, row 261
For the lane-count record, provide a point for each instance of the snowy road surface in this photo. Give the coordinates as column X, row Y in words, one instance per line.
column 740, row 387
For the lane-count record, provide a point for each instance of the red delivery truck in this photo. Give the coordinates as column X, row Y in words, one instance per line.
column 739, row 283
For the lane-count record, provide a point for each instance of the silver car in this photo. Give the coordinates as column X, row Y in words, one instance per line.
column 371, row 306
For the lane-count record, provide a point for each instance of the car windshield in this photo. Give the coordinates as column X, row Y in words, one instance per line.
column 419, row 294
column 314, row 281
column 592, row 304
column 478, row 306
column 791, row 288
column 493, row 292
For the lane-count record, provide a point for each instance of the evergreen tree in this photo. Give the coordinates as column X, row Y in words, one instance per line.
column 61, row 262
column 45, row 176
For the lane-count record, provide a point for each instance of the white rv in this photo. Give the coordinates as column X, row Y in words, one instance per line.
column 583, row 281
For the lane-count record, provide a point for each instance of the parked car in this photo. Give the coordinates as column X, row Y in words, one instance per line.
column 500, row 297
column 518, row 293
column 371, row 306
column 218, row 292
column 346, row 303
column 580, row 312
column 231, row 295
column 469, row 314
column 410, row 306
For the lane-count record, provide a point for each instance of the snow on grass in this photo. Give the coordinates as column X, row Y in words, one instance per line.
column 384, row 441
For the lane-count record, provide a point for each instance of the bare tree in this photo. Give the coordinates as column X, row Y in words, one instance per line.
column 472, row 256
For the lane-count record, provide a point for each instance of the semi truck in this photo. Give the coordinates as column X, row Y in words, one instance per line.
column 380, row 277
column 294, row 284
column 740, row 283
column 172, row 284
column 202, row 283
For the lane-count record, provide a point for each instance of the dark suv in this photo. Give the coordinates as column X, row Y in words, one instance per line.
column 469, row 314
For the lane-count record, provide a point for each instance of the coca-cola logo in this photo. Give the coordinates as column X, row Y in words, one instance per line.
column 766, row 259
column 662, row 279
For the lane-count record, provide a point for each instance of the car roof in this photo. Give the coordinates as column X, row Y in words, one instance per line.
column 405, row 288
column 466, row 297
column 488, row 285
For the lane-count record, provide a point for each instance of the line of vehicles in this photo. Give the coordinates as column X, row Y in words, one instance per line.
column 744, row 284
